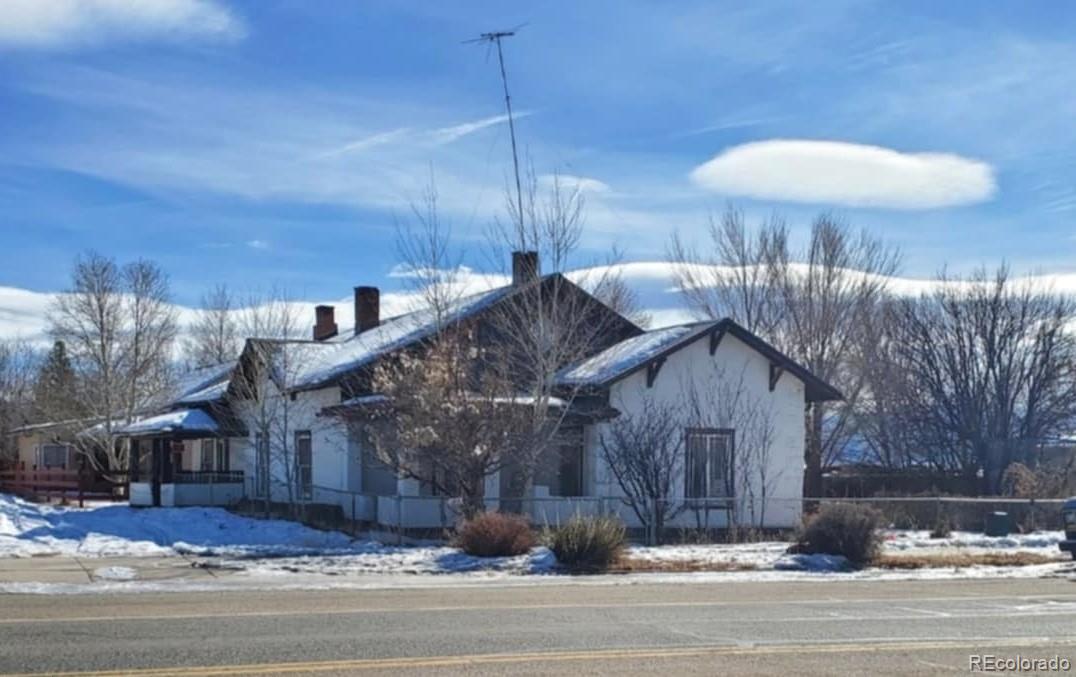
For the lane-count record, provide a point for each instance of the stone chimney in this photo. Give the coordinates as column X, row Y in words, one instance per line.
column 524, row 268
column 324, row 322
column 367, row 308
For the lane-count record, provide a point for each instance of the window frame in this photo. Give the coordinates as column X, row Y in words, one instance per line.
column 729, row 478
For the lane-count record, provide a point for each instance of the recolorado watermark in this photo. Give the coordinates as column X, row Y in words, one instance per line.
column 1018, row 663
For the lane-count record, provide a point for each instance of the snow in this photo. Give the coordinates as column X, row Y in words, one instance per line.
column 628, row 354
column 181, row 419
column 278, row 554
column 816, row 562
column 115, row 574
column 30, row 530
column 918, row 541
column 321, row 362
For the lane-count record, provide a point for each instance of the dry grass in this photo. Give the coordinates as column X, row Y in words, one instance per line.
column 963, row 559
column 634, row 565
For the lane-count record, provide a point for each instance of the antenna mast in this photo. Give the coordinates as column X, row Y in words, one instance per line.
column 491, row 39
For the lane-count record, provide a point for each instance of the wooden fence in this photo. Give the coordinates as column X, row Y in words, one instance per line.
column 70, row 484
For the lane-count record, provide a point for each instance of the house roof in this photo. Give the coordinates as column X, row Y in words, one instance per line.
column 625, row 358
column 320, row 363
column 174, row 422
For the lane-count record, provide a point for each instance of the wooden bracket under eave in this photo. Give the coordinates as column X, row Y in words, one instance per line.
column 652, row 370
column 775, row 374
column 715, row 339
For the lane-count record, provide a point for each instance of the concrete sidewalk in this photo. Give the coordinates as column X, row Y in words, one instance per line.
column 81, row 570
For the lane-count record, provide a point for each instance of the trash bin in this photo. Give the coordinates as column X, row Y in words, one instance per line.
column 998, row 524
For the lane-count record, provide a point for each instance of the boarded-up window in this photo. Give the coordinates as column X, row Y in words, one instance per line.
column 709, row 463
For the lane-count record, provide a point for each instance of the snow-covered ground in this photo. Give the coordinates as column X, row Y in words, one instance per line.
column 277, row 553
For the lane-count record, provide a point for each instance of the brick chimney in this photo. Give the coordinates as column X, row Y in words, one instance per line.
column 324, row 322
column 524, row 268
column 367, row 308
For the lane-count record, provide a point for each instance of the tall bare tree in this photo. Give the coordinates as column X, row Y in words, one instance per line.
column 213, row 337
column 454, row 417
column 18, row 365
column 992, row 360
column 809, row 302
column 119, row 327
column 549, row 325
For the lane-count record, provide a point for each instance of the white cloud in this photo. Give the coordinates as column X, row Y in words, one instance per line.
column 72, row 23
column 257, row 244
column 581, row 183
column 848, row 174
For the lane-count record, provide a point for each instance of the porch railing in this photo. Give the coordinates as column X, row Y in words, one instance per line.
column 208, row 477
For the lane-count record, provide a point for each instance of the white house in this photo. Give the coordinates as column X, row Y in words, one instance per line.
column 214, row 443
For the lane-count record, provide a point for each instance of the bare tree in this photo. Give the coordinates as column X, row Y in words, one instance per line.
column 723, row 400
column 18, row 365
column 549, row 324
column 119, row 327
column 645, row 453
column 214, row 338
column 454, row 417
column 993, row 361
column 810, row 303
column 274, row 361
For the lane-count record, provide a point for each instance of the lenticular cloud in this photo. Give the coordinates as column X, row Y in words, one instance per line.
column 846, row 174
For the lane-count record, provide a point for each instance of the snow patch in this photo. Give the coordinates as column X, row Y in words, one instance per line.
column 115, row 574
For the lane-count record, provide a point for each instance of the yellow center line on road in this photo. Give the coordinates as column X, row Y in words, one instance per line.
column 471, row 660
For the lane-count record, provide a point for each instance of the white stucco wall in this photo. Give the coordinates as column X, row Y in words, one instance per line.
column 329, row 444
column 734, row 366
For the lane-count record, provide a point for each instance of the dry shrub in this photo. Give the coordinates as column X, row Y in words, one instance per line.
column 942, row 528
column 845, row 529
column 589, row 543
column 495, row 534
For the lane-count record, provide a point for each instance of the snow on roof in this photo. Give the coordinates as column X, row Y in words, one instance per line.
column 210, row 393
column 181, row 420
column 627, row 355
column 319, row 362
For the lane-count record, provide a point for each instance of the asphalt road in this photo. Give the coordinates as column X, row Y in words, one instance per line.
column 735, row 628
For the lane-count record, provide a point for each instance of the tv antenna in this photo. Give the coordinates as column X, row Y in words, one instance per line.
column 494, row 38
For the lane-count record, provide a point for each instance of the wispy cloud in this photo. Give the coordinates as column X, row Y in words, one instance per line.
column 848, row 174
column 446, row 135
column 583, row 184
column 49, row 24
column 257, row 244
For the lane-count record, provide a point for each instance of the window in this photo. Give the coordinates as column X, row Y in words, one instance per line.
column 709, row 463
column 304, row 454
column 54, row 456
column 261, row 465
column 209, row 448
column 223, row 457
column 214, row 455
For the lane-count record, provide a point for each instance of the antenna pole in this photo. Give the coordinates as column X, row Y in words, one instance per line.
column 496, row 37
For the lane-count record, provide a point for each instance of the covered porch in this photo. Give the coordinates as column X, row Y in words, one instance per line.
column 182, row 458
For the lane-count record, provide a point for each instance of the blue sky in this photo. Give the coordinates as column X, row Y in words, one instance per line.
column 253, row 142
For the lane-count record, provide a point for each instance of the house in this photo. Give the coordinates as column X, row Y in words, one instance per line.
column 46, row 446
column 219, row 430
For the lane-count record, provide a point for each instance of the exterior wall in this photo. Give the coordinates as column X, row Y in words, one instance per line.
column 734, row 366
column 28, row 445
column 330, row 464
